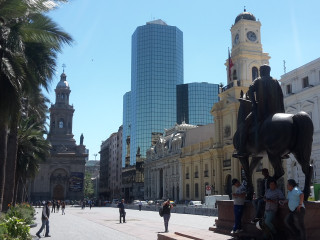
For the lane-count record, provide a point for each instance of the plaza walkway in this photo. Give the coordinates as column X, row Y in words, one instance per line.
column 103, row 223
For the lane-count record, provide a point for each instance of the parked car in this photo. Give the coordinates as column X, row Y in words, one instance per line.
column 150, row 202
column 195, row 204
column 115, row 201
column 159, row 202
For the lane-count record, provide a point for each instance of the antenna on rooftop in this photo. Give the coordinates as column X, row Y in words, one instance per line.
column 64, row 66
column 284, row 66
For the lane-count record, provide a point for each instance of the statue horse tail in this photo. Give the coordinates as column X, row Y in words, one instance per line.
column 302, row 150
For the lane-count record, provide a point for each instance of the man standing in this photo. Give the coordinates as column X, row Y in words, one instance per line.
column 238, row 204
column 272, row 197
column 121, row 211
column 53, row 206
column 259, row 202
column 140, row 205
column 167, row 206
column 295, row 219
column 266, row 96
column 45, row 220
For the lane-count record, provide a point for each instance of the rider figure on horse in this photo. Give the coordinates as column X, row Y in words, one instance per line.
column 266, row 96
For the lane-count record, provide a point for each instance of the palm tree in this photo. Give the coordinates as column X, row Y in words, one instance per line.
column 29, row 43
column 33, row 149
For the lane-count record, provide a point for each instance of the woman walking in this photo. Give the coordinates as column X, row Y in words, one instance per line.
column 166, row 213
column 63, row 207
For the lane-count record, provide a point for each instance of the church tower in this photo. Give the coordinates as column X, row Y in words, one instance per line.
column 61, row 115
column 242, row 68
column 61, row 175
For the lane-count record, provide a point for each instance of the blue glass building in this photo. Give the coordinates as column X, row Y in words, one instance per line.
column 126, row 122
column 194, row 102
column 156, row 69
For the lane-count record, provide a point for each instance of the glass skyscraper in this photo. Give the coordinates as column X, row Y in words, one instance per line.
column 126, row 124
column 156, row 69
column 194, row 102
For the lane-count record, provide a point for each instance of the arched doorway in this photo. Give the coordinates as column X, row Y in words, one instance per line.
column 58, row 192
column 161, row 184
column 59, row 184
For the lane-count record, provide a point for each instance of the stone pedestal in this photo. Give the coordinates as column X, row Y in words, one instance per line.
column 225, row 220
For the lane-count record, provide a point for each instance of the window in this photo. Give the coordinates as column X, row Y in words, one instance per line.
column 187, row 191
column 289, row 89
column 234, row 75
column 196, row 174
column 254, row 73
column 206, row 172
column 196, row 190
column 305, row 82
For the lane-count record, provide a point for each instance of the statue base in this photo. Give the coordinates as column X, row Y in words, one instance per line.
column 225, row 221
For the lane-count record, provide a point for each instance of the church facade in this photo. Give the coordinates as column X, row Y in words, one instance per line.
column 61, row 176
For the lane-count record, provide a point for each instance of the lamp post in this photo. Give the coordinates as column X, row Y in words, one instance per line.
column 95, row 156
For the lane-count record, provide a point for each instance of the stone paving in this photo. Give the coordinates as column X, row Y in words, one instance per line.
column 103, row 223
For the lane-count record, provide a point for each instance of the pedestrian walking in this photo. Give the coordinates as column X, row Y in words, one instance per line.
column 53, row 206
column 58, row 206
column 140, row 205
column 122, row 212
column 63, row 207
column 90, row 204
column 238, row 204
column 167, row 206
column 45, row 220
column 295, row 219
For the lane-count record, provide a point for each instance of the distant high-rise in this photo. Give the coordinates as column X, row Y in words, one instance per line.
column 194, row 102
column 156, row 69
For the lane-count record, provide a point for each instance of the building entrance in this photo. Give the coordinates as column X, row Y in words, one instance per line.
column 58, row 192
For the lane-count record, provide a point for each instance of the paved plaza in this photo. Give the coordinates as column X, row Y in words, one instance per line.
column 103, row 223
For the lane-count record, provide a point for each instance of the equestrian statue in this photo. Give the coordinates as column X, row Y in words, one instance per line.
column 264, row 127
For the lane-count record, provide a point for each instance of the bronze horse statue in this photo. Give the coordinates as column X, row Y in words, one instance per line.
column 278, row 135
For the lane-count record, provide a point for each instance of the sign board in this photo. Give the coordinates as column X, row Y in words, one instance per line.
column 208, row 189
column 76, row 182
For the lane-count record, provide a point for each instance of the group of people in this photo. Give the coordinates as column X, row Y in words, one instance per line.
column 57, row 204
column 270, row 200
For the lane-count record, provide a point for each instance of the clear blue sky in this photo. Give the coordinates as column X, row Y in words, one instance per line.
column 99, row 62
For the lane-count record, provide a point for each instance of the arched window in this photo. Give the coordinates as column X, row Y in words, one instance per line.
column 234, row 75
column 61, row 123
column 187, row 191
column 196, row 190
column 255, row 73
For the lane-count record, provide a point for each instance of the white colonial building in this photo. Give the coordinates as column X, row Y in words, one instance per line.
column 162, row 167
column 301, row 90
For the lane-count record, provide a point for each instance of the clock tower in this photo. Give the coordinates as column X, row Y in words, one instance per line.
column 245, row 60
column 247, row 54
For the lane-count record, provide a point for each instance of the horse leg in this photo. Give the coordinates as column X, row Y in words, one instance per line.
column 276, row 163
column 307, row 169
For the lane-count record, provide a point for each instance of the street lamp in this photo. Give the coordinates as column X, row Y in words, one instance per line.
column 95, row 156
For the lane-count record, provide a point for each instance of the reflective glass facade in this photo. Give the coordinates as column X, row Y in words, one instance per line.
column 156, row 69
column 126, row 124
column 194, row 102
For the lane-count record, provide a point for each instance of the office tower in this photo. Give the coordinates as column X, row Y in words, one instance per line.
column 156, row 69
column 194, row 102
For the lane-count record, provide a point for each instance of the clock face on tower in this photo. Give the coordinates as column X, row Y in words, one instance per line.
column 251, row 36
column 236, row 39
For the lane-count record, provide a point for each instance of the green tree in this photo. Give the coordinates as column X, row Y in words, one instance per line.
column 88, row 186
column 29, row 43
